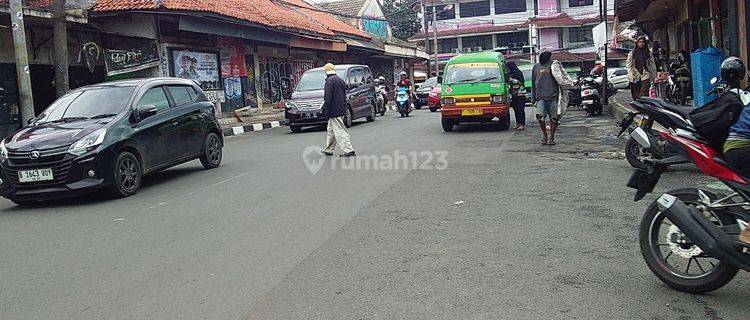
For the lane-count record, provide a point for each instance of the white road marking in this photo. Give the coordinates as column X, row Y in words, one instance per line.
column 238, row 130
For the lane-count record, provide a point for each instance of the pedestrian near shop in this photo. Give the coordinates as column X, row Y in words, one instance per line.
column 518, row 94
column 641, row 68
column 549, row 93
column 334, row 108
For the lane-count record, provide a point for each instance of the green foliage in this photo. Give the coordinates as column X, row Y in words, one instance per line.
column 402, row 14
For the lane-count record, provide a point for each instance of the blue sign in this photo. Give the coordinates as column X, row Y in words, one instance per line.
column 378, row 28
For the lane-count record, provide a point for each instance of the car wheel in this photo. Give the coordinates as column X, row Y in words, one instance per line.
column 212, row 152
column 348, row 118
column 504, row 123
column 371, row 117
column 448, row 125
column 295, row 128
column 127, row 175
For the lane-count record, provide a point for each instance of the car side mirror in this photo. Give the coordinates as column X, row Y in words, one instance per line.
column 147, row 111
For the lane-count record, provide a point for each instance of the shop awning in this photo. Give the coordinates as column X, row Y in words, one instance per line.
column 198, row 25
column 363, row 44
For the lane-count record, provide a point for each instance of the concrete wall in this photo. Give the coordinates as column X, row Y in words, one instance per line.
column 132, row 25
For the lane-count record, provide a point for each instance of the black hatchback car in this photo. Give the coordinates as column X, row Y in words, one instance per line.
column 109, row 135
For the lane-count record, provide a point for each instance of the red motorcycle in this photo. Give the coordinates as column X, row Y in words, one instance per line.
column 688, row 237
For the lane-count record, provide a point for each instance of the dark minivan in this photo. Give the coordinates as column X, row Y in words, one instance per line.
column 109, row 135
column 304, row 108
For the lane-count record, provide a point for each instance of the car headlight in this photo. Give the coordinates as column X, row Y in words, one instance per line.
column 290, row 105
column 88, row 143
column 3, row 151
column 449, row 101
column 497, row 99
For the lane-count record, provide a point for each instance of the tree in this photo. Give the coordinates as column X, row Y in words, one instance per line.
column 402, row 14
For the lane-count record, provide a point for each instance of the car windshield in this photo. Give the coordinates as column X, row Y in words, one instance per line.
column 472, row 72
column 429, row 83
column 312, row 80
column 84, row 104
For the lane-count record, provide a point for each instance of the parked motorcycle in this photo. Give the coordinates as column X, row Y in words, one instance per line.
column 402, row 102
column 666, row 114
column 591, row 91
column 696, row 228
column 680, row 83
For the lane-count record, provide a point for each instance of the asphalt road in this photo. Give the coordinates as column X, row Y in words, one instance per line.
column 509, row 230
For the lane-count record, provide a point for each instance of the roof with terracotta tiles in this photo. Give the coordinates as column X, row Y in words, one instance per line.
column 38, row 4
column 326, row 19
column 264, row 12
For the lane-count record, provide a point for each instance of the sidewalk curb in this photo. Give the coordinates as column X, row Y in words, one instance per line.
column 238, row 130
column 619, row 110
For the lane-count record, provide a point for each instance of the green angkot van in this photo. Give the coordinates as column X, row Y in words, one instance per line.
column 474, row 90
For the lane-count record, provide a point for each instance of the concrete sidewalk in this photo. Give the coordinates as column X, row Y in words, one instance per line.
column 232, row 127
column 619, row 105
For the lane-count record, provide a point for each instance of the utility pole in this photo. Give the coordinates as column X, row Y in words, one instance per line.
column 434, row 42
column 426, row 33
column 22, row 61
column 605, row 76
column 60, row 32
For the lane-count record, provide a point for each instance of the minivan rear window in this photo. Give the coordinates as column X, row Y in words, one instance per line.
column 98, row 102
column 313, row 80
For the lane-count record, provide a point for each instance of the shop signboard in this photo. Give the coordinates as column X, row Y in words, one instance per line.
column 202, row 67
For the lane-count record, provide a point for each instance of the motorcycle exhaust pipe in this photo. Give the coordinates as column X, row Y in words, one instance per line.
column 708, row 236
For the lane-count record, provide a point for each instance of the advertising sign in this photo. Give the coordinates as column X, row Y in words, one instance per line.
column 199, row 66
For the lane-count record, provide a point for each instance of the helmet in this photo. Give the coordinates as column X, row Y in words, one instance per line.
column 381, row 78
column 402, row 73
column 732, row 71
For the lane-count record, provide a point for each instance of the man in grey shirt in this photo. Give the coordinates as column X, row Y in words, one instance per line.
column 545, row 92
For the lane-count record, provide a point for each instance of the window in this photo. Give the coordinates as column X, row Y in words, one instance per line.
column 357, row 76
column 444, row 45
column 512, row 39
column 445, row 15
column 88, row 103
column 580, row 3
column 582, row 34
column 485, row 42
column 368, row 76
column 155, row 97
column 181, row 95
column 509, row 6
column 475, row 9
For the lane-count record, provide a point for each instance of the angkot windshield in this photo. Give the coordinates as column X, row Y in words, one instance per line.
column 472, row 72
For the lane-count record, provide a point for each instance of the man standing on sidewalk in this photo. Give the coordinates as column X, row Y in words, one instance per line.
column 334, row 107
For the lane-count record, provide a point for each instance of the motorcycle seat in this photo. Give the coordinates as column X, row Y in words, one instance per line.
column 681, row 110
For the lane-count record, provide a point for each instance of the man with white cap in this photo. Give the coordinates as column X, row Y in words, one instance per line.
column 334, row 108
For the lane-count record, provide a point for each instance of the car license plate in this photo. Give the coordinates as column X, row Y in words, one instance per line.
column 587, row 102
column 35, row 175
column 309, row 115
column 471, row 112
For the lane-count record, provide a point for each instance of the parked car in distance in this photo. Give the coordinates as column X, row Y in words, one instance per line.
column 109, row 135
column 304, row 108
column 433, row 100
column 618, row 77
column 423, row 92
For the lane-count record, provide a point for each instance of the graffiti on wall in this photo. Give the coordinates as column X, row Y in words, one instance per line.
column 251, row 94
column 279, row 76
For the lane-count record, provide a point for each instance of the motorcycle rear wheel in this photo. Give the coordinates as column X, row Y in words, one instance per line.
column 652, row 248
column 634, row 154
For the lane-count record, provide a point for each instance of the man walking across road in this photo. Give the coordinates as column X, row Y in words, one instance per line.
column 549, row 86
column 334, row 107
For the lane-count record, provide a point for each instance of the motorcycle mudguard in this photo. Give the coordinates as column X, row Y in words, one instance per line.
column 644, row 181
column 699, row 230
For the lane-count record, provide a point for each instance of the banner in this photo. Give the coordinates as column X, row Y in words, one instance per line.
column 232, row 57
column 199, row 66
column 125, row 61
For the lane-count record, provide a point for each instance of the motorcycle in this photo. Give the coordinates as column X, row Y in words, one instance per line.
column 380, row 99
column 402, row 102
column 680, row 87
column 591, row 88
column 666, row 114
column 697, row 228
